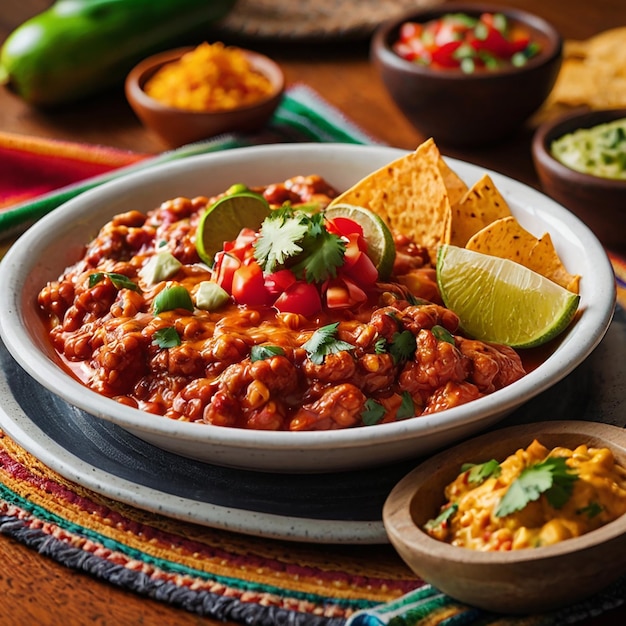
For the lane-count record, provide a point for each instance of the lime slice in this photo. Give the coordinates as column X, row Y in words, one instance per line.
column 224, row 220
column 380, row 244
column 501, row 301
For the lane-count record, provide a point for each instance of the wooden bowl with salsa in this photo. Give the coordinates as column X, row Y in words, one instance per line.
column 467, row 74
column 596, row 190
column 539, row 522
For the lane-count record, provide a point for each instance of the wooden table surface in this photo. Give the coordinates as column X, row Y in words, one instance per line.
column 36, row 590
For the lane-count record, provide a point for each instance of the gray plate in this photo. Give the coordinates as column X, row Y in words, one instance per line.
column 321, row 508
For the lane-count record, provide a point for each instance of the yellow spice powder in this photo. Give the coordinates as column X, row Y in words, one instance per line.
column 211, row 77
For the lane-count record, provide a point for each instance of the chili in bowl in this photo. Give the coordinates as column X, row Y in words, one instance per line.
column 123, row 330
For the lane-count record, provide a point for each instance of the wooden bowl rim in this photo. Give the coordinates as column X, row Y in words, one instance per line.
column 402, row 529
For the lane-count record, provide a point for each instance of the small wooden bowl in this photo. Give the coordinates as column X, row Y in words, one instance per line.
column 459, row 109
column 179, row 126
column 519, row 581
column 599, row 202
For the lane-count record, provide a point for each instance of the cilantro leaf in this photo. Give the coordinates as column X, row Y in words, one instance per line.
column 591, row 510
column 402, row 346
column 297, row 240
column 324, row 341
column 442, row 334
column 322, row 254
column 380, row 346
column 442, row 518
column 406, row 408
column 166, row 338
column 552, row 477
column 481, row 471
column 279, row 238
column 373, row 412
column 119, row 280
column 260, row 353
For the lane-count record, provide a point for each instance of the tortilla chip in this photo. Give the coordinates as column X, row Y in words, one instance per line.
column 479, row 207
column 454, row 184
column 593, row 75
column 410, row 195
column 505, row 238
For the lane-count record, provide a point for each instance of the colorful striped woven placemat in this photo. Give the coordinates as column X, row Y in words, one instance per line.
column 213, row 572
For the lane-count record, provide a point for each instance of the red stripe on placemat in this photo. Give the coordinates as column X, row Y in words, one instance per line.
column 32, row 166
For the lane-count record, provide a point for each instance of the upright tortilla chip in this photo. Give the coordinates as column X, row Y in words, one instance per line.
column 481, row 205
column 410, row 195
column 454, row 184
column 507, row 239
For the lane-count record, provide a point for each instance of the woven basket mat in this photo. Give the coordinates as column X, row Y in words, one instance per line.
column 313, row 19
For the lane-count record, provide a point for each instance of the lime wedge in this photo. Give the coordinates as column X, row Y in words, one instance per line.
column 381, row 247
column 224, row 220
column 501, row 301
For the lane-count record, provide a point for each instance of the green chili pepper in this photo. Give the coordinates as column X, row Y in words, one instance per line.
column 80, row 47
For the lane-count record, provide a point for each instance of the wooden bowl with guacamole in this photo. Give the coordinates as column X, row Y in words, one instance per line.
column 593, row 142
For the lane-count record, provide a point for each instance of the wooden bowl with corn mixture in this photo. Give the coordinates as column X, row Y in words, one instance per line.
column 235, row 111
column 515, row 581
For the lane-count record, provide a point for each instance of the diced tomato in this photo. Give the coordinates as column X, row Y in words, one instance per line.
column 410, row 31
column 241, row 247
column 224, row 269
column 278, row 282
column 301, row 297
column 344, row 227
column 444, row 54
column 494, row 42
column 249, row 285
column 342, row 293
column 358, row 266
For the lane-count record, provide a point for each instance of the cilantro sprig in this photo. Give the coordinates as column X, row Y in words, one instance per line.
column 324, row 341
column 166, row 338
column 119, row 281
column 296, row 240
column 443, row 517
column 552, row 477
column 478, row 473
column 260, row 353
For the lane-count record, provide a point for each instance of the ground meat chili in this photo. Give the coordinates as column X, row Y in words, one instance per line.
column 100, row 319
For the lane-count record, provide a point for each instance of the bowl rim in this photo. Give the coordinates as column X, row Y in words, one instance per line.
column 146, row 68
column 561, row 125
column 381, row 41
column 396, row 515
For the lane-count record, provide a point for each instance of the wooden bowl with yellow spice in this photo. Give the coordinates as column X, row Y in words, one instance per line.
column 532, row 518
column 189, row 94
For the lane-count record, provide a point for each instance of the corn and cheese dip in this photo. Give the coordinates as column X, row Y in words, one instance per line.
column 211, row 77
column 536, row 497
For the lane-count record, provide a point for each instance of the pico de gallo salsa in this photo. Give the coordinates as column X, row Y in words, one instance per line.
column 488, row 42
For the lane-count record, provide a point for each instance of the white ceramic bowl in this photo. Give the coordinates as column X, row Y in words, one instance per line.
column 56, row 241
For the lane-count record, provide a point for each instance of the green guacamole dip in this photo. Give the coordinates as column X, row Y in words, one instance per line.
column 600, row 151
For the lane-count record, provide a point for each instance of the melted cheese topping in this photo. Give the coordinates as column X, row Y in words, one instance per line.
column 598, row 497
